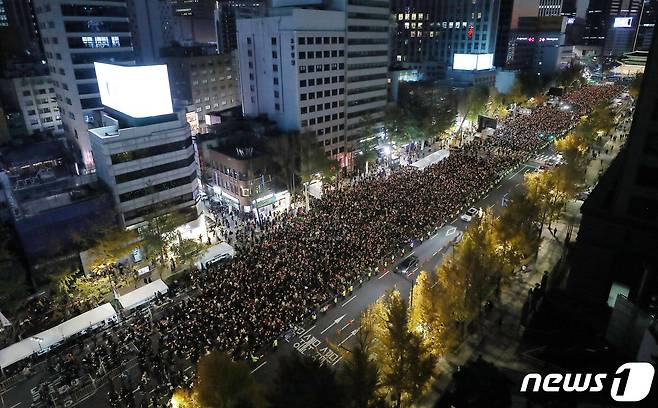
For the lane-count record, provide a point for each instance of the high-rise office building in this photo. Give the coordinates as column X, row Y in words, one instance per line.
column 616, row 247
column 153, row 26
column 33, row 95
column 19, row 30
column 202, row 82
column 77, row 33
column 550, row 8
column 226, row 15
column 556, row 8
column 194, row 21
column 430, row 32
column 503, row 33
column 646, row 25
column 317, row 70
column 612, row 25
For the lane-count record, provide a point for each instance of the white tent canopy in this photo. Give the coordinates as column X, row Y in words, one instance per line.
column 213, row 251
column 142, row 295
column 431, row 159
column 46, row 339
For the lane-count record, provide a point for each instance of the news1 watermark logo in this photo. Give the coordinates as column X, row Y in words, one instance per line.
column 630, row 383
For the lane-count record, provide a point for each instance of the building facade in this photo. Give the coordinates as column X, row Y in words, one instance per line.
column 226, row 15
column 317, row 71
column 429, row 33
column 149, row 166
column 615, row 250
column 539, row 45
column 153, row 26
column 34, row 97
column 613, row 25
column 18, row 23
column 75, row 34
column 646, row 25
column 202, row 82
column 556, row 8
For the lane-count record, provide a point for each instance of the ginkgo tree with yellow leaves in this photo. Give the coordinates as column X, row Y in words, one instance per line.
column 406, row 365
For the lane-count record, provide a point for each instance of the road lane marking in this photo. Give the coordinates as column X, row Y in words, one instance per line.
column 384, row 274
column 310, row 328
column 336, row 362
column 16, row 404
column 351, row 299
column 353, row 333
column 451, row 231
column 333, row 324
column 485, row 197
column 261, row 364
column 514, row 175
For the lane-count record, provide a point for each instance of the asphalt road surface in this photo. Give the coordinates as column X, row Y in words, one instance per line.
column 338, row 325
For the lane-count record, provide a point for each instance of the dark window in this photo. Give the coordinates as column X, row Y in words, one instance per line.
column 167, row 185
column 149, row 171
column 142, row 211
column 151, row 151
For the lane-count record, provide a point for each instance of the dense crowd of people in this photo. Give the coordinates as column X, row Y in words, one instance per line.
column 299, row 263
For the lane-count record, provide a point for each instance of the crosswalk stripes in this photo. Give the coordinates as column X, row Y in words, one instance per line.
column 545, row 157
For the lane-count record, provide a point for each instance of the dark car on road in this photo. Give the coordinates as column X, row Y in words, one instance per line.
column 407, row 264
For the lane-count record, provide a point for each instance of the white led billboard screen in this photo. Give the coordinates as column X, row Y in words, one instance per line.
column 137, row 91
column 472, row 62
column 623, row 22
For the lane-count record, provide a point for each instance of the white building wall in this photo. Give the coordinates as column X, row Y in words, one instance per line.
column 280, row 79
column 38, row 103
column 111, row 140
column 76, row 108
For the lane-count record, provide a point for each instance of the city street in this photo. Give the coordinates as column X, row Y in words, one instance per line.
column 338, row 325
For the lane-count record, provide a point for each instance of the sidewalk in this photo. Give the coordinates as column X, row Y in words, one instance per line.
column 497, row 335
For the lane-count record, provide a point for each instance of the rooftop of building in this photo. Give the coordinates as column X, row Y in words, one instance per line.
column 32, row 154
column 634, row 58
column 58, row 193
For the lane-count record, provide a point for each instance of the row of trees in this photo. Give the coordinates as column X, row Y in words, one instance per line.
column 297, row 158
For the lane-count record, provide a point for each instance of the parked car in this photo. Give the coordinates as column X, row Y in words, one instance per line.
column 407, row 264
column 469, row 214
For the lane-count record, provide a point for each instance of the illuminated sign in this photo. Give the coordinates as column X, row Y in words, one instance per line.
column 137, row 91
column 623, row 22
column 472, row 62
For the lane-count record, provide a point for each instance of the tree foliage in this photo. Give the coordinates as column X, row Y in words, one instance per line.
column 479, row 384
column 297, row 157
column 301, row 382
column 570, row 76
column 471, row 274
column 634, row 87
column 406, row 364
column 12, row 275
column 432, row 315
column 360, row 376
column 159, row 233
column 186, row 250
column 114, row 244
column 423, row 113
column 223, row 383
